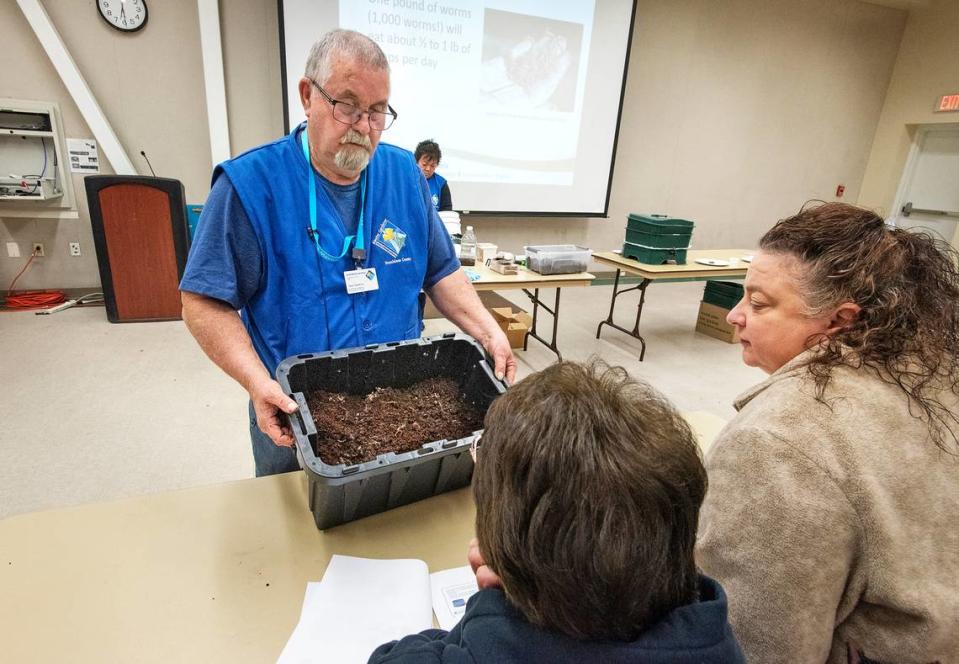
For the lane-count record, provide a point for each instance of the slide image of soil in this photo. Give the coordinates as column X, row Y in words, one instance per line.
column 530, row 62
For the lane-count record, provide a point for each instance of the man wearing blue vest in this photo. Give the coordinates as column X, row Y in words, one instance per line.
column 322, row 240
column 428, row 156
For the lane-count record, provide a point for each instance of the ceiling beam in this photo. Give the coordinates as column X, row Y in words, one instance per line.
column 56, row 50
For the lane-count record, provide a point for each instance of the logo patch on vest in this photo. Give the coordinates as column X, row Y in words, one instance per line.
column 390, row 238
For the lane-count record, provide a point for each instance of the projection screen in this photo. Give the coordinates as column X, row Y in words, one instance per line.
column 524, row 97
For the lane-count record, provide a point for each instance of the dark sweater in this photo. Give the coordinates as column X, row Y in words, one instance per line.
column 493, row 630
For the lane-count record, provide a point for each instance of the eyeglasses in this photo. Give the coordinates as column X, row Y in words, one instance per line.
column 347, row 113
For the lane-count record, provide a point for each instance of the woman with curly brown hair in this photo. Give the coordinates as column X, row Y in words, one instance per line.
column 832, row 517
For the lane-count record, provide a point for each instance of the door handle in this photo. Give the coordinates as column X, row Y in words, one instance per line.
column 908, row 209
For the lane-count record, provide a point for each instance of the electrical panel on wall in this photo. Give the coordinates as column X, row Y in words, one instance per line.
column 34, row 177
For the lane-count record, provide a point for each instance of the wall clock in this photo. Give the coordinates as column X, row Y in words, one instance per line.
column 124, row 15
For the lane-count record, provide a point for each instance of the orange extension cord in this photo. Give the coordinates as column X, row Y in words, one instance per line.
column 32, row 299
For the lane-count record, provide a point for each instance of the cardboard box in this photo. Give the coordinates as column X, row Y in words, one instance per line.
column 514, row 322
column 712, row 322
column 485, row 251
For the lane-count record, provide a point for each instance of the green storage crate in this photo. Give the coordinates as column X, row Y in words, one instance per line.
column 725, row 294
column 658, row 223
column 654, row 255
column 658, row 240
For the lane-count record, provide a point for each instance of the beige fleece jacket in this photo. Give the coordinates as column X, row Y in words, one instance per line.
column 834, row 529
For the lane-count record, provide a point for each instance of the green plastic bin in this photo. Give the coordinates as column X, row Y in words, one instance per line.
column 659, row 240
column 658, row 223
column 725, row 294
column 654, row 255
column 658, row 231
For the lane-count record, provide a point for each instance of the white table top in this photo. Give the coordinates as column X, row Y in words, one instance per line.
column 691, row 270
column 490, row 280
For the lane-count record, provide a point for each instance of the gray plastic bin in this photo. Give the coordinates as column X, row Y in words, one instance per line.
column 342, row 493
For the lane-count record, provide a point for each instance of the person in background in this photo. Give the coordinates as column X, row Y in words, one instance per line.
column 587, row 487
column 832, row 517
column 322, row 240
column 428, row 157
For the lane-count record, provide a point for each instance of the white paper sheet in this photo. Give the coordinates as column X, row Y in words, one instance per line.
column 450, row 589
column 360, row 604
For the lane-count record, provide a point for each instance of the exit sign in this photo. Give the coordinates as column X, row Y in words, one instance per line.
column 948, row 103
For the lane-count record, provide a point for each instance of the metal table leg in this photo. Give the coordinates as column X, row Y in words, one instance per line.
column 537, row 303
column 641, row 287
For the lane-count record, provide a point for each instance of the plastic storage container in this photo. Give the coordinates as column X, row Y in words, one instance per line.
column 659, row 240
column 659, row 224
column 557, row 258
column 657, row 231
column 342, row 493
column 653, row 256
column 725, row 294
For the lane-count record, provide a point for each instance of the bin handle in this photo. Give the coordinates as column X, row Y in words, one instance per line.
column 297, row 417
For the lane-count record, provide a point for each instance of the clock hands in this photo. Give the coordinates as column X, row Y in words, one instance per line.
column 114, row 12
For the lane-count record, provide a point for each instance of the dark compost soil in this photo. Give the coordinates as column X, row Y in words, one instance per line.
column 352, row 429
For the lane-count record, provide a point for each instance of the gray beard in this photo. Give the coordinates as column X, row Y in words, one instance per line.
column 351, row 158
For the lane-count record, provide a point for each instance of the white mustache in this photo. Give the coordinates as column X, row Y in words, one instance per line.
column 355, row 137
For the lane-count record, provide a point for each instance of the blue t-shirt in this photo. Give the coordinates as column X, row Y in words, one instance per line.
column 346, row 199
column 225, row 243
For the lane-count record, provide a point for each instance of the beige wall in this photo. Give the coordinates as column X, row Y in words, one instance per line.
column 251, row 63
column 150, row 87
column 736, row 112
column 927, row 68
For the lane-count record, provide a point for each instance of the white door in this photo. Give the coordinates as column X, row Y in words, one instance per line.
column 929, row 192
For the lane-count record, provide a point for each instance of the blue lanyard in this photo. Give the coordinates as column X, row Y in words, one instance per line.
column 359, row 247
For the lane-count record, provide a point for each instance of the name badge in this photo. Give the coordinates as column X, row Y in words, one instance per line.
column 361, row 281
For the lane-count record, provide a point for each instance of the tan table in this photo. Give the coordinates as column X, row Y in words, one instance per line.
column 528, row 281
column 651, row 273
column 213, row 574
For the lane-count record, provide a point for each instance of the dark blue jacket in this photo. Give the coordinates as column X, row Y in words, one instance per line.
column 492, row 630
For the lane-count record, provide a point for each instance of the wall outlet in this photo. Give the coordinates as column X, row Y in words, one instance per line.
column 74, row 248
column 13, row 250
column 38, row 249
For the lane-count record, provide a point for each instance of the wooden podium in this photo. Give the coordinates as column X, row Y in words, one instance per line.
column 140, row 232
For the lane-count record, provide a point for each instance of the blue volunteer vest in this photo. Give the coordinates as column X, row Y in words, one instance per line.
column 436, row 186
column 302, row 305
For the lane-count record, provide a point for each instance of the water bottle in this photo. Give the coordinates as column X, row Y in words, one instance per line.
column 468, row 247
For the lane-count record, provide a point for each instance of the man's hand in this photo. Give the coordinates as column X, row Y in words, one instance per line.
column 268, row 400
column 504, row 364
column 222, row 336
column 485, row 577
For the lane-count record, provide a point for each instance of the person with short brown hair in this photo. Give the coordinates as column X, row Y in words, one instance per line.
column 587, row 486
column 833, row 512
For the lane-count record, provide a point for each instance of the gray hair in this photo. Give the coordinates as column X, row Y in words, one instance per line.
column 343, row 44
